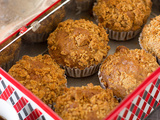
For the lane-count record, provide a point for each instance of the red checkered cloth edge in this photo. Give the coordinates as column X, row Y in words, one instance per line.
column 26, row 108
column 143, row 103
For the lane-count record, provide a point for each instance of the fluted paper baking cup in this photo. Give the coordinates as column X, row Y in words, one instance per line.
column 122, row 36
column 100, row 80
column 119, row 36
column 77, row 73
column 8, row 64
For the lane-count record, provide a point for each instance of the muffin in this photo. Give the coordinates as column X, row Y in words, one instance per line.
column 9, row 55
column 79, row 46
column 46, row 26
column 149, row 39
column 41, row 75
column 123, row 19
column 125, row 70
column 85, row 103
column 80, row 5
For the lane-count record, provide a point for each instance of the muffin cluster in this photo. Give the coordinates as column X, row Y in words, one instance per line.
column 79, row 48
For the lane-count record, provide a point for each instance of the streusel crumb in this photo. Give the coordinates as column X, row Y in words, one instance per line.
column 150, row 37
column 126, row 69
column 122, row 15
column 78, row 44
column 41, row 75
column 85, row 103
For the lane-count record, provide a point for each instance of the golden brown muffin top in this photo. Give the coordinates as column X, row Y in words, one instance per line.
column 8, row 54
column 122, row 15
column 150, row 37
column 126, row 69
column 41, row 75
column 85, row 103
column 79, row 43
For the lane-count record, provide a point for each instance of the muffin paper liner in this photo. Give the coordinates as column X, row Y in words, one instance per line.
column 122, row 36
column 32, row 37
column 100, row 80
column 77, row 73
column 119, row 36
column 8, row 64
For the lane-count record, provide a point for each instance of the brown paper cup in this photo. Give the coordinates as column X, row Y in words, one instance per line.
column 100, row 80
column 8, row 64
column 119, row 36
column 77, row 73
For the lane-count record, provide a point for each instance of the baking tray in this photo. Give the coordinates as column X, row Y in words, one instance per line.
column 41, row 48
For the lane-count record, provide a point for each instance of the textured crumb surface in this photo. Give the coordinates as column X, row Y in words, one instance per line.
column 41, row 75
column 126, row 69
column 122, row 15
column 85, row 103
column 78, row 44
column 150, row 37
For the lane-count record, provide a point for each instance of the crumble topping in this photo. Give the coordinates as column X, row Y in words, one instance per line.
column 41, row 75
column 79, row 43
column 150, row 37
column 122, row 15
column 85, row 103
column 126, row 69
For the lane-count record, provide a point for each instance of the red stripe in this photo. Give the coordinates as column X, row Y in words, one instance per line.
column 131, row 117
column 138, row 101
column 137, row 119
column 125, row 113
column 115, row 117
column 149, row 110
column 122, row 119
column 7, row 92
column 144, row 105
column 147, row 97
column 145, row 115
column 11, row 89
column 154, row 82
column 20, row 104
column 156, row 94
column 129, row 105
column 34, row 115
column 134, row 109
column 140, row 114
column 152, row 103
column 157, row 104
column 151, row 88
column 3, row 97
column 159, row 87
column 24, row 101
column 0, row 78
column 141, row 94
